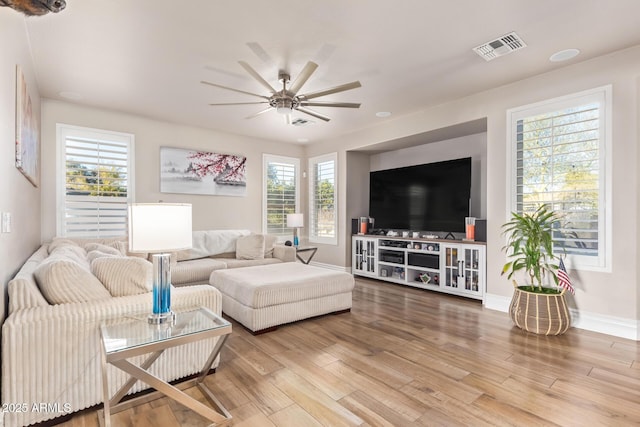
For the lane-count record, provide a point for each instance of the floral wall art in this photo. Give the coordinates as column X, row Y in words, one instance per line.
column 202, row 172
column 27, row 134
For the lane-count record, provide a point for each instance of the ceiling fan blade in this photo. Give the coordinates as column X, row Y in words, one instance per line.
column 240, row 103
column 302, row 78
column 234, row 90
column 313, row 114
column 256, row 76
column 330, row 104
column 259, row 112
column 341, row 88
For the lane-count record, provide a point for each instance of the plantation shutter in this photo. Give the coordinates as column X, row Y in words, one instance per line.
column 559, row 164
column 281, row 194
column 322, row 216
column 98, row 183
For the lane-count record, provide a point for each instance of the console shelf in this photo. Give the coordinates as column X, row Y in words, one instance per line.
column 451, row 266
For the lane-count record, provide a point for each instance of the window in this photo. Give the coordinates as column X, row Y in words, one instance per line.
column 95, row 182
column 280, row 192
column 560, row 159
column 323, row 220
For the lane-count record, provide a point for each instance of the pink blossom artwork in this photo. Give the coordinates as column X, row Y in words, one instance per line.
column 202, row 172
column 27, row 133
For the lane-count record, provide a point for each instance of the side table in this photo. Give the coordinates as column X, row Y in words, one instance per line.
column 135, row 336
column 300, row 249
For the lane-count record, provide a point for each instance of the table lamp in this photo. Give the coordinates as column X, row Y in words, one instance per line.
column 294, row 221
column 159, row 228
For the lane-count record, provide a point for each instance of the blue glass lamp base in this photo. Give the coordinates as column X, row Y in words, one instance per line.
column 161, row 313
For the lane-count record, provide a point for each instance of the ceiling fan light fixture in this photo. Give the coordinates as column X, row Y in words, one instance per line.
column 283, row 106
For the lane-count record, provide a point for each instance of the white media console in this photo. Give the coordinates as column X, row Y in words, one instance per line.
column 452, row 266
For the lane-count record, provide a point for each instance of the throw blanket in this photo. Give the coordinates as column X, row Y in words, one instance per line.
column 212, row 242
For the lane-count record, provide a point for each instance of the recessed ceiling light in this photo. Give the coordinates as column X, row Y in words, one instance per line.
column 74, row 96
column 564, row 55
column 383, row 114
column 303, row 139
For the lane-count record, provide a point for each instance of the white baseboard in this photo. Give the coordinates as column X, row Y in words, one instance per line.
column 331, row 266
column 610, row 325
column 497, row 302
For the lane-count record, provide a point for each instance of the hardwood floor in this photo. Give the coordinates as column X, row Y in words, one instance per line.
column 406, row 357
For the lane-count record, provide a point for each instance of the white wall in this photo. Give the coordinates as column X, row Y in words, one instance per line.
column 17, row 195
column 209, row 212
column 613, row 296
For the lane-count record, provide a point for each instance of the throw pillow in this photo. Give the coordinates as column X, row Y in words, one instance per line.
column 60, row 241
column 92, row 255
column 71, row 252
column 124, row 276
column 63, row 281
column 250, row 247
column 107, row 249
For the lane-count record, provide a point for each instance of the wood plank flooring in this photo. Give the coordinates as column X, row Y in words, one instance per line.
column 407, row 357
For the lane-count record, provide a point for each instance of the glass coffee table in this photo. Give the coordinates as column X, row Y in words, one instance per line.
column 134, row 336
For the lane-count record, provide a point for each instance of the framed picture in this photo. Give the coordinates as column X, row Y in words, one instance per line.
column 202, row 172
column 27, row 133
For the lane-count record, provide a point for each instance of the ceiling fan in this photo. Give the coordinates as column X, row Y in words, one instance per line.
column 288, row 99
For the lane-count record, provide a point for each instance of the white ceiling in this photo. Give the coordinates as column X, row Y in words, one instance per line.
column 147, row 57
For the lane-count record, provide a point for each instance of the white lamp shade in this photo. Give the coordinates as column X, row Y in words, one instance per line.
column 159, row 227
column 295, row 220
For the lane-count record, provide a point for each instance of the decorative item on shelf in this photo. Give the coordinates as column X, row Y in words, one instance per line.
column 294, row 221
column 425, row 278
column 364, row 225
column 470, row 228
column 159, row 228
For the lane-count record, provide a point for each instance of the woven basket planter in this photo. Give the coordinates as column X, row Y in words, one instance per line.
column 544, row 314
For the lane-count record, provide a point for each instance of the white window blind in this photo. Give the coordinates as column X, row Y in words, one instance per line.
column 560, row 148
column 322, row 200
column 95, row 182
column 280, row 193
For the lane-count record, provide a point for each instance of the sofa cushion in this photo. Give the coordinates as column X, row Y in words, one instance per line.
column 195, row 271
column 269, row 242
column 123, row 276
column 250, row 247
column 62, row 280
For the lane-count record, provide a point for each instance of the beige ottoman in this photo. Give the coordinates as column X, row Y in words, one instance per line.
column 266, row 296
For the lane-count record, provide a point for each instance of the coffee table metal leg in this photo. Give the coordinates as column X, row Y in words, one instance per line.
column 170, row 391
column 105, row 391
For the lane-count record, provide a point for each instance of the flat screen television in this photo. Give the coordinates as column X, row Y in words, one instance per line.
column 429, row 197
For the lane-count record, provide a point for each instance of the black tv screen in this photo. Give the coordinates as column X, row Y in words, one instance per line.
column 430, row 197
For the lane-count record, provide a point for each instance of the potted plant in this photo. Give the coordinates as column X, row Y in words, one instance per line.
column 535, row 307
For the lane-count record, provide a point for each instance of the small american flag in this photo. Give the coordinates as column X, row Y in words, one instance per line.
column 563, row 278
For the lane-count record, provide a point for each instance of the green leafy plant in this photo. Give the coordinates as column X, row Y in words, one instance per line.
column 530, row 247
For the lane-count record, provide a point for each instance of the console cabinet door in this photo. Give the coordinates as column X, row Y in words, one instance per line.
column 452, row 268
column 463, row 269
column 474, row 269
column 365, row 254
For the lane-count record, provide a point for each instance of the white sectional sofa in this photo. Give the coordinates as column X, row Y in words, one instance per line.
column 50, row 339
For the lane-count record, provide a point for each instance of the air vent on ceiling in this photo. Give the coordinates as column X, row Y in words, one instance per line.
column 301, row 122
column 500, row 46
